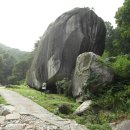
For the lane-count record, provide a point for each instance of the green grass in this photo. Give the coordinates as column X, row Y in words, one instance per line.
column 48, row 101
column 2, row 101
column 52, row 101
column 114, row 106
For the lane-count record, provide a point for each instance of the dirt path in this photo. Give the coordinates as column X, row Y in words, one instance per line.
column 24, row 105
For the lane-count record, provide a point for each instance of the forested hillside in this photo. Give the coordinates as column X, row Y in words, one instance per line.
column 118, row 39
column 13, row 64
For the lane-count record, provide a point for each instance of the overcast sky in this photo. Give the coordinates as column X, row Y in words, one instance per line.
column 22, row 22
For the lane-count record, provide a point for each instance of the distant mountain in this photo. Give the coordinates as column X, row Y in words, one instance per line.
column 13, row 64
column 16, row 53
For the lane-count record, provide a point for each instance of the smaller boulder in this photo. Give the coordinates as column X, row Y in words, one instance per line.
column 6, row 109
column 83, row 107
column 4, row 112
column 91, row 75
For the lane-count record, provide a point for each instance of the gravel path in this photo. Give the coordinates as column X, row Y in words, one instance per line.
column 24, row 105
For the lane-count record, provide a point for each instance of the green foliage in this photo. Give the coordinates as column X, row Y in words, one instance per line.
column 13, row 65
column 65, row 109
column 2, row 101
column 119, row 42
column 99, row 127
column 50, row 101
column 18, row 72
column 122, row 66
column 1, row 68
column 20, row 69
column 123, row 19
column 105, row 54
column 17, row 54
column 114, row 42
column 6, row 65
column 12, row 80
column 118, row 39
column 107, row 108
column 112, row 106
column 109, row 38
column 110, row 101
column 64, row 86
column 87, row 88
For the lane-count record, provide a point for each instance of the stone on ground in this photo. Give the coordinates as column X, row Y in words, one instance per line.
column 83, row 107
column 6, row 109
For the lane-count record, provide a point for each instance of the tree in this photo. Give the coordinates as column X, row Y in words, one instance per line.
column 20, row 70
column 118, row 39
column 123, row 19
column 113, row 42
column 1, row 69
column 123, row 22
column 109, row 38
column 8, row 64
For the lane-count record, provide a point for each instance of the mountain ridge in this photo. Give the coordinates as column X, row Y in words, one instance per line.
column 18, row 54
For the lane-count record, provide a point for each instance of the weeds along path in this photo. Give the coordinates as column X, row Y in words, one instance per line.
column 24, row 105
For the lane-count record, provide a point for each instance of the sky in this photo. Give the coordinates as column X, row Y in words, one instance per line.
column 22, row 22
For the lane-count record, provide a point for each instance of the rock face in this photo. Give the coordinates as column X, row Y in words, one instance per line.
column 90, row 74
column 77, row 31
column 124, row 125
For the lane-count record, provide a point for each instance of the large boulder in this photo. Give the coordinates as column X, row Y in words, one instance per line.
column 91, row 75
column 74, row 32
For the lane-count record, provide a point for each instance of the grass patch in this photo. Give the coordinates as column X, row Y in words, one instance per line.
column 112, row 106
column 2, row 101
column 48, row 101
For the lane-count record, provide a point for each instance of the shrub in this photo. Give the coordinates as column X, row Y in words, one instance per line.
column 64, row 109
column 99, row 127
column 114, row 100
column 122, row 66
column 64, row 86
column 2, row 101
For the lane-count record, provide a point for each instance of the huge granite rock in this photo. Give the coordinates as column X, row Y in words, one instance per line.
column 74, row 32
column 91, row 75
